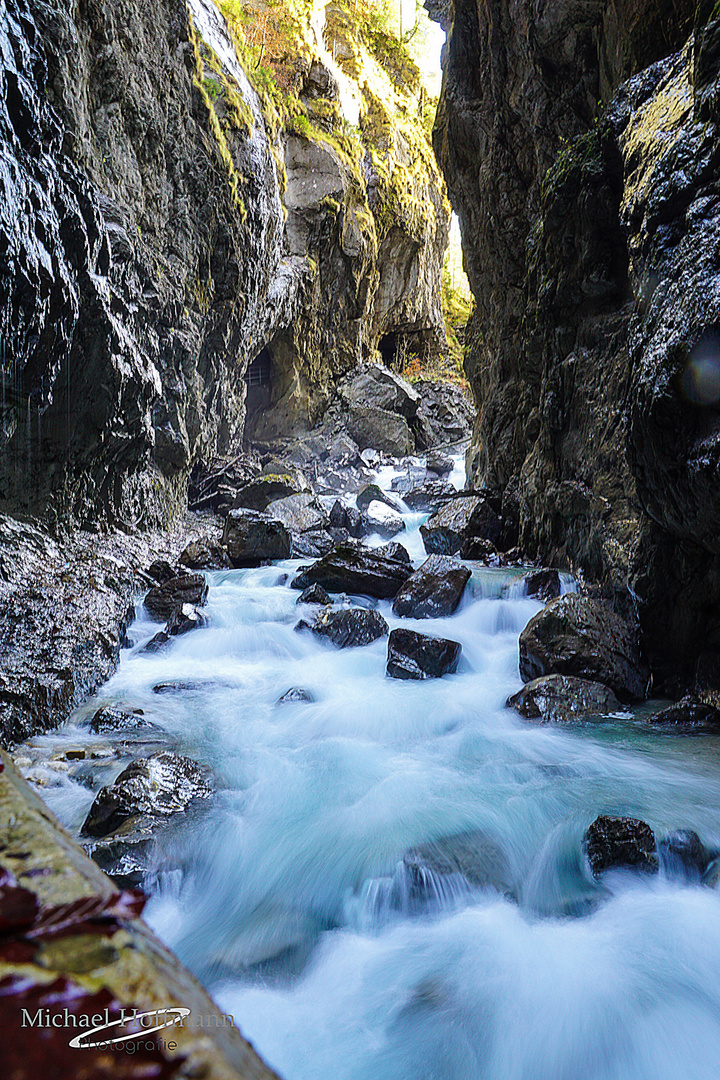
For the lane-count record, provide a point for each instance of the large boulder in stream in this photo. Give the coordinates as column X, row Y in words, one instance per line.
column 575, row 635
column 352, row 569
column 299, row 513
column 350, row 626
column 620, row 842
column 154, row 787
column 686, row 717
column 457, row 522
column 164, row 600
column 251, row 538
column 561, row 698
column 431, row 495
column 434, row 590
column 380, row 430
column 204, row 554
column 419, row 656
column 377, row 386
column 384, row 521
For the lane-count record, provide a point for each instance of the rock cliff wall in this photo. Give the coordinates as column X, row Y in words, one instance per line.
column 163, row 225
column 580, row 146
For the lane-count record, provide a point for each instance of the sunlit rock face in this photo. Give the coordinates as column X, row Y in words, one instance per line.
column 580, row 147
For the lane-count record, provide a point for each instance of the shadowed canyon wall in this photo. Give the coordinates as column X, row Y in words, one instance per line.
column 163, row 224
column 580, row 146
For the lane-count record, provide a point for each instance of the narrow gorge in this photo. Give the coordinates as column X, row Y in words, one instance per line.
column 360, row 619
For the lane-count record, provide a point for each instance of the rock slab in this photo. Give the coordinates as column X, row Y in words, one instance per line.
column 419, row 656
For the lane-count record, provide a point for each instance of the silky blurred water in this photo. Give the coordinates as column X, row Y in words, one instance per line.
column 277, row 895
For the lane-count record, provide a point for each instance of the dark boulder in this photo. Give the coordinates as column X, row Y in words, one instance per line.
column 204, row 555
column 434, row 590
column 461, row 518
column 350, row 626
column 543, row 584
column 263, row 490
column 682, row 854
column 560, row 698
column 155, row 787
column 114, row 718
column 575, row 635
column 299, row 513
column 180, row 622
column 380, row 430
column 419, row 656
column 686, row 717
column 476, row 549
column 161, row 571
column 252, row 538
column 347, row 517
column 412, row 476
column 351, row 569
column 314, row 594
column 376, row 386
column 439, row 464
column 615, row 842
column 393, row 550
column 314, row 544
column 295, row 693
column 431, row 495
column 163, row 600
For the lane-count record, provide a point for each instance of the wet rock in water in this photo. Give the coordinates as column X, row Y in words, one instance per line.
column 575, row 635
column 263, row 490
column 412, row 476
column 161, row 571
column 393, row 550
column 299, row 513
column 295, row 693
column 682, row 854
column 376, row 386
column 434, row 590
column 439, row 464
column 252, row 538
column 431, row 495
column 314, row 594
column 114, row 718
column 180, row 622
column 418, row 656
column 483, row 551
column 156, row 787
column 380, row 430
column 471, row 856
column 686, row 717
column 373, row 493
column 204, row 555
column 618, row 842
column 351, row 569
column 348, row 517
column 125, row 853
column 163, row 600
column 313, row 545
column 543, row 584
column 560, row 698
column 461, row 518
column 350, row 626
column 382, row 520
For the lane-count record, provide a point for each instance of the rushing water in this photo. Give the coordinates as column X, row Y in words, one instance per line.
column 288, row 895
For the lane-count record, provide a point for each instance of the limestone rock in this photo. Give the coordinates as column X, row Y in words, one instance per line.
column 155, row 787
column 251, row 538
column 163, row 600
column 577, row 636
column 419, row 656
column 560, row 698
column 380, row 430
column 373, row 493
column 350, row 626
column 619, row 842
column 376, row 386
column 434, row 590
column 362, row 571
column 460, row 519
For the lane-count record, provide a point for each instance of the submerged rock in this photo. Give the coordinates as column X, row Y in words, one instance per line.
column 618, row 842
column 471, row 855
column 560, row 698
column 364, row 571
column 295, row 693
column 460, row 519
column 314, row 594
column 164, row 600
column 682, row 854
column 350, row 626
column 686, row 717
column 575, row 635
column 252, row 538
column 544, row 584
column 434, row 590
column 155, row 787
column 418, row 656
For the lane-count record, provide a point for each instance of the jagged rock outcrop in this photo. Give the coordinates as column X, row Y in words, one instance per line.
column 580, row 146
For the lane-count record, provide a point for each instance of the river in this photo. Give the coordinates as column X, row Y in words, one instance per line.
column 288, row 895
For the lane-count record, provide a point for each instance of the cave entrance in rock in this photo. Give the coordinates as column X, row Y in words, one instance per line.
column 389, row 348
column 258, row 379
